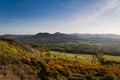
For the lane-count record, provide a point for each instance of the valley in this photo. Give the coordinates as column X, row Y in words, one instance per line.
column 59, row 57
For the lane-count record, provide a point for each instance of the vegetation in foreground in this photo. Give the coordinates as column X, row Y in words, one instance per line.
column 20, row 62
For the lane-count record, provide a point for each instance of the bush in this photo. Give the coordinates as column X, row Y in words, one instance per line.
column 56, row 75
column 83, row 78
column 111, row 77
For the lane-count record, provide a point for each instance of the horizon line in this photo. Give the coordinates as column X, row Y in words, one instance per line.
column 56, row 32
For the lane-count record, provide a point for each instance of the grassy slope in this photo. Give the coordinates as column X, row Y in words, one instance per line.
column 12, row 66
column 114, row 58
column 18, row 62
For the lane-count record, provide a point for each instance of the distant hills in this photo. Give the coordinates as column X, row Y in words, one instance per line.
column 45, row 38
column 59, row 38
column 74, row 35
column 87, row 36
column 15, row 36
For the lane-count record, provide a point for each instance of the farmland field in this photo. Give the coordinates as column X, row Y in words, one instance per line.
column 78, row 57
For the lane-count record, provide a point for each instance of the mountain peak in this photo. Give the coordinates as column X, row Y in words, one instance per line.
column 58, row 33
column 42, row 33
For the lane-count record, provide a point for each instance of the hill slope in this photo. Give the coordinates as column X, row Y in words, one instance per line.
column 20, row 63
column 12, row 56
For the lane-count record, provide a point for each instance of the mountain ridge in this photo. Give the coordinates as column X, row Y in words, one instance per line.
column 84, row 36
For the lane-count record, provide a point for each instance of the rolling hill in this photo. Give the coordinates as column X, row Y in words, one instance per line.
column 87, row 36
column 75, row 35
column 73, row 43
column 45, row 38
column 58, row 38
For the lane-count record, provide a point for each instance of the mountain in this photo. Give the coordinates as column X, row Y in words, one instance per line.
column 56, row 35
column 15, row 36
column 87, row 36
column 59, row 35
column 47, row 38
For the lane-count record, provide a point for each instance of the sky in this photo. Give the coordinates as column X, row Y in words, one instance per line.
column 66, row 16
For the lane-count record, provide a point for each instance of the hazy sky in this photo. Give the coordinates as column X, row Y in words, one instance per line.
column 69, row 16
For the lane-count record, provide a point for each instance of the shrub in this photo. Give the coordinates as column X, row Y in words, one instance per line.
column 56, row 75
column 83, row 78
column 111, row 76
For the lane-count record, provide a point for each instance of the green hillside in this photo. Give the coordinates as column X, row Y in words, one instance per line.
column 15, row 49
column 12, row 56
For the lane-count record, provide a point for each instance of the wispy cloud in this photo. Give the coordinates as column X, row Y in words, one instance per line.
column 104, row 8
column 96, row 20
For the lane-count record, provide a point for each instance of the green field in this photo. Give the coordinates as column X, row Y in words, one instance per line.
column 80, row 57
column 113, row 58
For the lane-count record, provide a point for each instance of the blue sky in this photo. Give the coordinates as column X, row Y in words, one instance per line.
column 68, row 16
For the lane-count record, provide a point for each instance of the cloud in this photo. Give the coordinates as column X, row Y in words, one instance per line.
column 96, row 17
column 110, row 4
